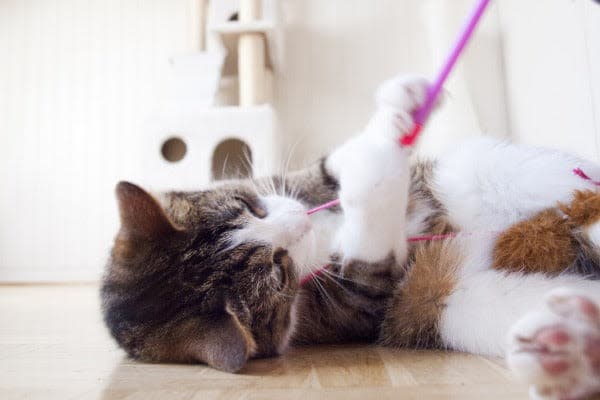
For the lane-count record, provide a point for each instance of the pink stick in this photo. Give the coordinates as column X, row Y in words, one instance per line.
column 466, row 33
column 579, row 172
column 428, row 238
column 422, row 115
column 330, row 204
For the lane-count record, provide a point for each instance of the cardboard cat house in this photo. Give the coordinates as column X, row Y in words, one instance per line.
column 217, row 121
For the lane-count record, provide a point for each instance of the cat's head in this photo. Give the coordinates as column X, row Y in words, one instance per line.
column 206, row 276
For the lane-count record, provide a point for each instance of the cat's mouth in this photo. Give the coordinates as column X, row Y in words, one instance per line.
column 302, row 248
column 299, row 231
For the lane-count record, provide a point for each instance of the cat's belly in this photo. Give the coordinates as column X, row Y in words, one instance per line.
column 489, row 185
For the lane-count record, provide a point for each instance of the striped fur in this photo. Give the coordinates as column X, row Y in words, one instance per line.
column 184, row 280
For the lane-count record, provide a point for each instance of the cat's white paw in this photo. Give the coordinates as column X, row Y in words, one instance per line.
column 557, row 349
column 397, row 100
column 373, row 168
column 403, row 93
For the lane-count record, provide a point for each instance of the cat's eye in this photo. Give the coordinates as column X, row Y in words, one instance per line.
column 252, row 206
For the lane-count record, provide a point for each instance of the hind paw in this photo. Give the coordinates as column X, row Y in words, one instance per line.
column 557, row 349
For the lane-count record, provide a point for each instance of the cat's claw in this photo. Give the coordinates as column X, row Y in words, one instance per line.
column 403, row 121
column 403, row 93
column 557, row 349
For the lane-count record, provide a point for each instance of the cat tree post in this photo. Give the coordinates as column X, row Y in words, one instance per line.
column 202, row 16
column 251, row 57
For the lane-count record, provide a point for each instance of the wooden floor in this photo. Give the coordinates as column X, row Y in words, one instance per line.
column 54, row 346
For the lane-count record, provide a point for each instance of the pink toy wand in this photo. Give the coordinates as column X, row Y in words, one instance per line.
column 422, row 115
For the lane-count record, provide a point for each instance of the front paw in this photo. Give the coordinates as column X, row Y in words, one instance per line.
column 557, row 349
column 403, row 93
column 398, row 99
column 373, row 174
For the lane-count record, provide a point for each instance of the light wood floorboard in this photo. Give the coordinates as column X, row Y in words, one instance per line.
column 53, row 346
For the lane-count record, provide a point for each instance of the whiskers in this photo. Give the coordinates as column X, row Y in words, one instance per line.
column 339, row 292
column 339, row 280
column 320, row 282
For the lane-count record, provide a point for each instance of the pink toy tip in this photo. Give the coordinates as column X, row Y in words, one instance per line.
column 410, row 138
column 579, row 172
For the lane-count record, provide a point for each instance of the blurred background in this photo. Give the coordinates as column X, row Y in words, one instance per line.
column 174, row 93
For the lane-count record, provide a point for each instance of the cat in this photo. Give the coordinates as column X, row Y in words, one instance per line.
column 215, row 276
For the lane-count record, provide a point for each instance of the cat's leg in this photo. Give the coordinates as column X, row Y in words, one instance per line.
column 346, row 302
column 485, row 306
column 374, row 176
column 396, row 100
column 450, row 299
column 557, row 347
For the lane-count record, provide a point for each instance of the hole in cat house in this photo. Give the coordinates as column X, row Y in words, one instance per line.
column 231, row 159
column 173, row 149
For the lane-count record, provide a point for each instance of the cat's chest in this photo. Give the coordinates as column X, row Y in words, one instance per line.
column 325, row 226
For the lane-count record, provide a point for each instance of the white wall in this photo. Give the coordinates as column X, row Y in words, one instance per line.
column 78, row 79
column 336, row 53
column 552, row 59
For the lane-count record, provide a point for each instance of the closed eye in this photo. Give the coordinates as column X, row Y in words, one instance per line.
column 253, row 207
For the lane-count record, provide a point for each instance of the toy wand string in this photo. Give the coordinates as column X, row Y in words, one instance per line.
column 422, row 115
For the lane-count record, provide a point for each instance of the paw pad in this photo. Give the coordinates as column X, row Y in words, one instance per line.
column 557, row 348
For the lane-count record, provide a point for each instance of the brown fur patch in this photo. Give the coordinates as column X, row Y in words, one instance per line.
column 544, row 243
column 414, row 311
column 584, row 209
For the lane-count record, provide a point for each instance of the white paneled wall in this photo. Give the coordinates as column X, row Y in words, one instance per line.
column 552, row 59
column 336, row 53
column 78, row 79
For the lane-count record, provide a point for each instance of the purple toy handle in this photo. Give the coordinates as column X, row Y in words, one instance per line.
column 423, row 113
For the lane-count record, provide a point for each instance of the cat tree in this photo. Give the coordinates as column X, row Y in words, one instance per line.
column 204, row 132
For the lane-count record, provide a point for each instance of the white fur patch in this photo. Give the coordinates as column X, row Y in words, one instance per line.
column 486, row 303
column 488, row 184
column 286, row 226
column 593, row 234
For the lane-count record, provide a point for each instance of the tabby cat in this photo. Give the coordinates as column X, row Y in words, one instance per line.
column 214, row 276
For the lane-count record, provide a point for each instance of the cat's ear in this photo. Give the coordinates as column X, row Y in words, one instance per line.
column 226, row 344
column 141, row 215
